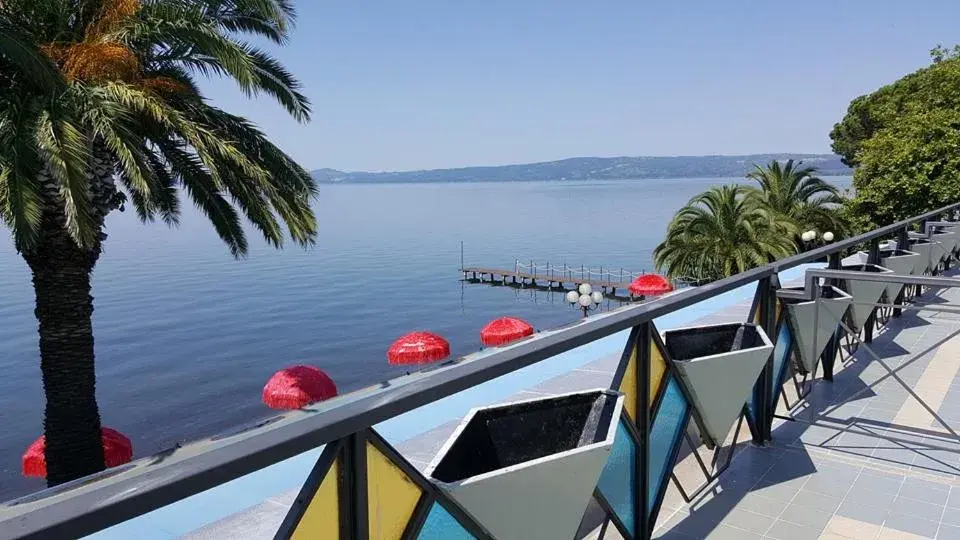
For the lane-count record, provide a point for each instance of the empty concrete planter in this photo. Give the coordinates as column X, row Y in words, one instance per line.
column 944, row 243
column 528, row 469
column 924, row 248
column 900, row 262
column 815, row 321
column 718, row 365
column 865, row 293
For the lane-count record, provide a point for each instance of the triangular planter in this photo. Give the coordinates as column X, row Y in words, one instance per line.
column 718, row 365
column 865, row 293
column 900, row 262
column 943, row 246
column 528, row 469
column 924, row 248
column 814, row 322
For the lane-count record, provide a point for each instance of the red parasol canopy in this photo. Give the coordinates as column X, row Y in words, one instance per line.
column 298, row 386
column 117, row 450
column 418, row 348
column 650, row 284
column 504, row 330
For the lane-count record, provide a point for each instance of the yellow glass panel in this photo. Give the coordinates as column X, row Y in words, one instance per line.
column 322, row 518
column 391, row 496
column 628, row 386
column 658, row 366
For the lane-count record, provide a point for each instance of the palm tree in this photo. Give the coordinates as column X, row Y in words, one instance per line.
column 99, row 109
column 721, row 232
column 798, row 195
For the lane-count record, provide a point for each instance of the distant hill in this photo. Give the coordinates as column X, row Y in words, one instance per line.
column 594, row 168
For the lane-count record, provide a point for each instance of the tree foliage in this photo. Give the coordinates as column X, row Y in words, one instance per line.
column 721, row 232
column 903, row 141
column 799, row 196
column 117, row 78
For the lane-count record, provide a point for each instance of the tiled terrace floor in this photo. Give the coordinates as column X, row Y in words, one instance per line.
column 872, row 455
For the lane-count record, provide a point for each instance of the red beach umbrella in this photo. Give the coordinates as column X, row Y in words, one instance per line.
column 650, row 285
column 418, row 348
column 117, row 450
column 504, row 330
column 297, row 386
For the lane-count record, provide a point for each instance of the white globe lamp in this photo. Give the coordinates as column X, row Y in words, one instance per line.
column 573, row 297
column 828, row 236
column 585, row 300
column 585, row 288
column 597, row 297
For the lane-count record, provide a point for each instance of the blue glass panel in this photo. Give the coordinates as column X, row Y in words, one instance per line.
column 618, row 477
column 664, row 437
column 440, row 525
column 781, row 352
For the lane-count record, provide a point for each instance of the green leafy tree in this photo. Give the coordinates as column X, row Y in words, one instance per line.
column 798, row 197
column 902, row 141
column 931, row 88
column 721, row 232
column 98, row 109
column 909, row 168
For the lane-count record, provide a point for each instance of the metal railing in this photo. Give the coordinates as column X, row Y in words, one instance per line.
column 116, row 495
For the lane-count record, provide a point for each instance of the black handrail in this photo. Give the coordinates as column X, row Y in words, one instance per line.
column 86, row 506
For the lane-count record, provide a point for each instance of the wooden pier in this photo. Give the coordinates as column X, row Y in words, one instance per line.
column 559, row 279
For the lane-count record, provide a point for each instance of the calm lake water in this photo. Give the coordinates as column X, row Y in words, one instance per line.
column 186, row 336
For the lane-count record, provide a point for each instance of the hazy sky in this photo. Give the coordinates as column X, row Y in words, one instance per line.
column 425, row 84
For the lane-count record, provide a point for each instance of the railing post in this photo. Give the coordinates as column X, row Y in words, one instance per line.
column 903, row 242
column 768, row 321
column 873, row 257
column 829, row 356
column 353, row 507
column 643, row 528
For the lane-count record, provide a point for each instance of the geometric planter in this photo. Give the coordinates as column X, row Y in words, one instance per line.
column 944, row 244
column 814, row 322
column 924, row 248
column 528, row 469
column 900, row 262
column 865, row 293
column 719, row 365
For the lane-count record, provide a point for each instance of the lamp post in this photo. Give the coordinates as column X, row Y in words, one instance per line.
column 809, row 239
column 585, row 298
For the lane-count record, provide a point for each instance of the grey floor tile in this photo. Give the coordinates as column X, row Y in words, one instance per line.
column 948, row 532
column 951, row 516
column 829, row 484
column 911, row 524
column 953, row 501
column 922, row 510
column 785, row 530
column 748, row 521
column 863, row 512
column 758, row 504
column 819, row 501
column 805, row 515
column 925, row 490
column 870, row 497
column 878, row 481
column 724, row 532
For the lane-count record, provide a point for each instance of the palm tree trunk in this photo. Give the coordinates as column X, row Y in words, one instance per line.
column 61, row 280
column 64, row 307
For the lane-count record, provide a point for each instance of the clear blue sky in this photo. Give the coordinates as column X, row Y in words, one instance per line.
column 426, row 84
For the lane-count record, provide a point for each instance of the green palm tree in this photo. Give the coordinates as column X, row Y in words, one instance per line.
column 798, row 195
column 721, row 232
column 99, row 109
